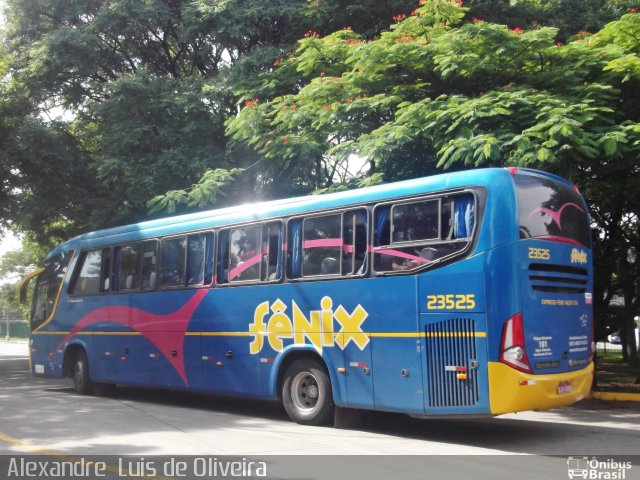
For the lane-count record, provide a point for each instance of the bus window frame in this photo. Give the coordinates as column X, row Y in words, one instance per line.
column 208, row 235
column 339, row 274
column 225, row 282
column 334, row 276
column 443, row 196
column 421, row 241
column 77, row 269
column 142, row 252
column 117, row 250
column 184, row 285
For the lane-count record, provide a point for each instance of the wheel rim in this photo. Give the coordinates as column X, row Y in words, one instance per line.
column 305, row 392
column 78, row 372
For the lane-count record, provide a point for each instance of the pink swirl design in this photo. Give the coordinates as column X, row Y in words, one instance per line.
column 166, row 332
column 555, row 215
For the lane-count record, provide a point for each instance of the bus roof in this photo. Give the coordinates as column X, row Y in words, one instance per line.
column 289, row 207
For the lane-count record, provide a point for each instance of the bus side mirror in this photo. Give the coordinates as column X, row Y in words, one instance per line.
column 24, row 283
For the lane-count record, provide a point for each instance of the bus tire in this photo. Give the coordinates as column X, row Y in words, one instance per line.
column 80, row 374
column 306, row 393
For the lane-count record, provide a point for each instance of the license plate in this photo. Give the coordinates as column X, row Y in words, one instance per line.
column 564, row 388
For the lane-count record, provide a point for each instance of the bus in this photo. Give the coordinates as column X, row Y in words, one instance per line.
column 465, row 293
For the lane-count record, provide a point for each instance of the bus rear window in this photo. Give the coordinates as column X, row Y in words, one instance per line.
column 548, row 209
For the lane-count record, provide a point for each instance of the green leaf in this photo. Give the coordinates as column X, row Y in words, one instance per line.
column 610, row 146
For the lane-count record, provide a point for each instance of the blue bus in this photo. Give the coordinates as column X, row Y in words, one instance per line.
column 462, row 293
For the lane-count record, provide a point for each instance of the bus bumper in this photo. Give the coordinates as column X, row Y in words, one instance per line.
column 514, row 391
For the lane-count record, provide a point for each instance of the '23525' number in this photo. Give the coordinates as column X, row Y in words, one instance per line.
column 451, row 302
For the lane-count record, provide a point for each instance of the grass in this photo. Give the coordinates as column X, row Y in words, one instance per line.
column 613, row 374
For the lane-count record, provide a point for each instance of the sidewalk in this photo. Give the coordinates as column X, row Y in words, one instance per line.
column 615, row 396
column 16, row 348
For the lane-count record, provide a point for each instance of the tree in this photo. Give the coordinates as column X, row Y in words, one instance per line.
column 569, row 16
column 108, row 103
column 436, row 91
column 13, row 266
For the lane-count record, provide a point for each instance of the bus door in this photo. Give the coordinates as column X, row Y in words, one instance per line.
column 455, row 355
column 396, row 348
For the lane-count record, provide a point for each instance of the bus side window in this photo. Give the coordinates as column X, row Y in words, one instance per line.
column 128, row 262
column 381, row 237
column 415, row 221
column 208, row 258
column 173, row 253
column 464, row 216
column 245, row 258
column 322, row 245
column 87, row 280
column 413, row 234
column 200, row 247
column 105, row 279
column 149, row 264
column 294, row 248
column 222, row 268
column 354, row 234
column 271, row 252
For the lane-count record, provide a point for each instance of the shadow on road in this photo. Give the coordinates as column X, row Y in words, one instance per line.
column 57, row 407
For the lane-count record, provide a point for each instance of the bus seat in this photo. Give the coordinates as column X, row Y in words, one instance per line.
column 429, row 253
column 309, row 266
column 150, row 281
column 329, row 266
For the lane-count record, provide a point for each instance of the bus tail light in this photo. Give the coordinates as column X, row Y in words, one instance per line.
column 512, row 351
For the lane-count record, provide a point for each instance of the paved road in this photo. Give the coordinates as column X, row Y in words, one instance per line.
column 45, row 416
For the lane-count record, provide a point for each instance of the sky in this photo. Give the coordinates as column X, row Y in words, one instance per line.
column 8, row 242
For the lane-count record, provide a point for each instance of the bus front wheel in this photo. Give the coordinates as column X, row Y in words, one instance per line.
column 306, row 393
column 80, row 374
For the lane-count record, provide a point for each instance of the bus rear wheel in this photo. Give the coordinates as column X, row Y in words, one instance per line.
column 80, row 374
column 306, row 393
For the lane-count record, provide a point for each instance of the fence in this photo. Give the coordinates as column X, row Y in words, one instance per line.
column 12, row 325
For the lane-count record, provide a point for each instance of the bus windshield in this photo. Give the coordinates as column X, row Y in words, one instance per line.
column 552, row 210
column 48, row 287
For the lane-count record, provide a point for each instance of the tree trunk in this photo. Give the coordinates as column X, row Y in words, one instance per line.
column 628, row 334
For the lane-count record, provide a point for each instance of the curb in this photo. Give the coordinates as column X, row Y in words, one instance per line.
column 616, row 396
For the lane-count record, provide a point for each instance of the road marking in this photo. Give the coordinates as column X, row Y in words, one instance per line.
column 29, row 446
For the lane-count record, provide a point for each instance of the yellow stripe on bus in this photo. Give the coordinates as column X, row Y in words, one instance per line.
column 219, row 334
column 247, row 334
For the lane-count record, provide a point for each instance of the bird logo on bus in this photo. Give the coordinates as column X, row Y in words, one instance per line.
column 578, row 256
